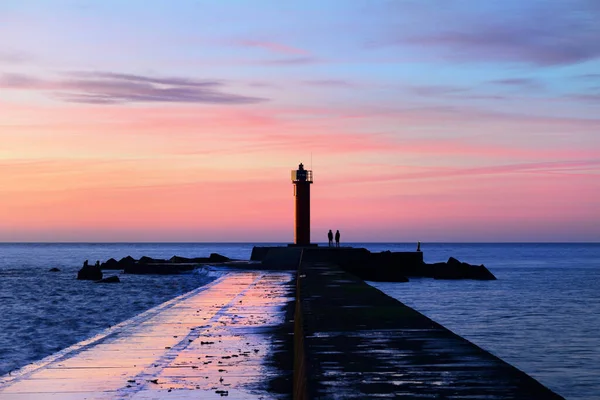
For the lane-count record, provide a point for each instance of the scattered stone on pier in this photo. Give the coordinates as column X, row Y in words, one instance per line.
column 110, row 279
column 89, row 272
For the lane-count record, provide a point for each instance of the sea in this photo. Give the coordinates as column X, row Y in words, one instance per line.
column 542, row 315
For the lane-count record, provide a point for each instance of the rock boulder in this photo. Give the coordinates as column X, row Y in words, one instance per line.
column 110, row 264
column 454, row 269
column 214, row 257
column 89, row 272
column 126, row 262
column 180, row 260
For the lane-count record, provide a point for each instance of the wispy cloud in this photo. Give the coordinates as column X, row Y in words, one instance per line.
column 588, row 98
column 145, row 79
column 436, row 90
column 293, row 61
column 519, row 83
column 549, row 167
column 115, row 88
column 262, row 84
column 274, row 47
column 593, row 77
column 20, row 81
column 329, row 83
column 450, row 92
column 542, row 33
column 14, row 57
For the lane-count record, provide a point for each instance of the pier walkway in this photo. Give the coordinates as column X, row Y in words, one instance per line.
column 215, row 341
column 361, row 344
column 244, row 336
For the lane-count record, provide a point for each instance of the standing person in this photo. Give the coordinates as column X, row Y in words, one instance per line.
column 330, row 237
column 337, row 238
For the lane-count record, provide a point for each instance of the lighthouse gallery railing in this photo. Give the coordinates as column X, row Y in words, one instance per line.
column 302, row 176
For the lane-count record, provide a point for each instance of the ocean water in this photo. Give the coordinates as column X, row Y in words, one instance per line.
column 541, row 315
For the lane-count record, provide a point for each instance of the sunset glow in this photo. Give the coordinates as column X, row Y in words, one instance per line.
column 180, row 121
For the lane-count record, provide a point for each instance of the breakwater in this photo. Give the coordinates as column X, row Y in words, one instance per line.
column 384, row 266
column 336, row 304
column 361, row 343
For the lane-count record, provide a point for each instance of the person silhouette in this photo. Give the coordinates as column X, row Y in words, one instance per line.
column 418, row 246
column 330, row 237
column 337, row 238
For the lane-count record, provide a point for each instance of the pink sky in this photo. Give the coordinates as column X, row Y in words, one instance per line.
column 196, row 142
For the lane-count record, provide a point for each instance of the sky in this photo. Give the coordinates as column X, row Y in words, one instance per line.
column 429, row 120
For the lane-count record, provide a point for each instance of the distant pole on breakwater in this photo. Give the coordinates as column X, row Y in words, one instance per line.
column 302, row 179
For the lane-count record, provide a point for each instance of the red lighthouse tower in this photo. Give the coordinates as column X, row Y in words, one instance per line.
column 302, row 179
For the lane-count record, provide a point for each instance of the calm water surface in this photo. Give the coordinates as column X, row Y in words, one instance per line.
column 541, row 315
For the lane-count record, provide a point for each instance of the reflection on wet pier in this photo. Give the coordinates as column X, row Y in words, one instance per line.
column 212, row 342
column 321, row 333
column 361, row 343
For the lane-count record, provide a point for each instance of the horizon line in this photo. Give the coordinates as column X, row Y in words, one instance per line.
column 274, row 242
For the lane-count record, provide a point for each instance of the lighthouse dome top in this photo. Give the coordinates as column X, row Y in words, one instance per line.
column 302, row 175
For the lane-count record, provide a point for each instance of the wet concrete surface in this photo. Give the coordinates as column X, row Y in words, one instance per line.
column 222, row 340
column 361, row 344
column 234, row 338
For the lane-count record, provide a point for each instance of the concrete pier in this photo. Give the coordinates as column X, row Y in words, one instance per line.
column 360, row 343
column 212, row 342
column 322, row 333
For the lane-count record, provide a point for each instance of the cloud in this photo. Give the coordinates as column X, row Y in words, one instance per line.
column 293, row 61
column 14, row 57
column 519, row 83
column 450, row 92
column 146, row 79
column 329, row 83
column 436, row 90
column 274, row 47
column 593, row 77
column 543, row 33
column 20, row 81
column 546, row 167
column 588, row 98
column 115, row 88
column 261, row 84
column 290, row 55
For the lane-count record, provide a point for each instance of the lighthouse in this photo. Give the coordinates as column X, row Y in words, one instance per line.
column 302, row 179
